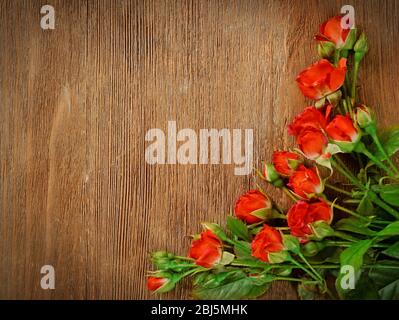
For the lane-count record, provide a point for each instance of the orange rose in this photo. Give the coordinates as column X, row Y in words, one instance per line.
column 341, row 128
column 312, row 142
column 321, row 79
column 310, row 117
column 303, row 214
column 266, row 241
column 252, row 207
column 332, row 31
column 306, row 182
column 207, row 250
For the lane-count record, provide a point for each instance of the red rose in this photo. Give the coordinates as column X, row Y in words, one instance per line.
column 207, row 250
column 267, row 240
column 332, row 31
column 154, row 283
column 341, row 128
column 312, row 142
column 306, row 182
column 252, row 207
column 303, row 214
column 310, row 117
column 321, row 79
column 285, row 162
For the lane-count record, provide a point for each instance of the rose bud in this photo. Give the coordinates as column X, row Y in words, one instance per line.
column 321, row 79
column 312, row 248
column 303, row 215
column 253, row 207
column 286, row 162
column 306, row 182
column 268, row 241
column 331, row 31
column 343, row 132
column 312, row 143
column 207, row 250
column 310, row 117
column 361, row 47
column 363, row 116
column 272, row 176
column 155, row 283
column 160, row 283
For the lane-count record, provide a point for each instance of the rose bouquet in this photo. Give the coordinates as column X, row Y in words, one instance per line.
column 339, row 240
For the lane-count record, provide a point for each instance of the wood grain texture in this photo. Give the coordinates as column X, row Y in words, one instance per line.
column 76, row 102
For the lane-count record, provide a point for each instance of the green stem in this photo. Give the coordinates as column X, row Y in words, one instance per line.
column 343, row 209
column 342, row 163
column 184, row 258
column 292, row 279
column 354, row 79
column 193, row 271
column 338, row 189
column 348, row 244
column 380, row 266
column 254, row 225
column 377, row 142
column 300, row 255
column 383, row 205
column 346, row 174
column 344, row 103
column 356, row 182
column 361, row 148
column 344, row 236
column 347, row 85
column 251, row 264
column 313, row 276
column 288, row 192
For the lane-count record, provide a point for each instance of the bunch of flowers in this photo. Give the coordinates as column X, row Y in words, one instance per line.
column 343, row 246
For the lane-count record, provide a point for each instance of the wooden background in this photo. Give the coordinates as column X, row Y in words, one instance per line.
column 76, row 102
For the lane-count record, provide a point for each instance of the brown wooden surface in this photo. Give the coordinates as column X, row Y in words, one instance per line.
column 76, row 102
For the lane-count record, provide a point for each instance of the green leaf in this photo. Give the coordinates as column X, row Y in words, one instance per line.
column 200, row 278
column 262, row 213
column 390, row 230
column 392, row 251
column 390, row 194
column 365, row 289
column 390, row 143
column 352, row 256
column 238, row 228
column 353, row 225
column 243, row 250
column 232, row 285
column 384, row 272
column 390, row 292
column 227, row 258
column 291, row 243
column 365, row 206
column 386, row 277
